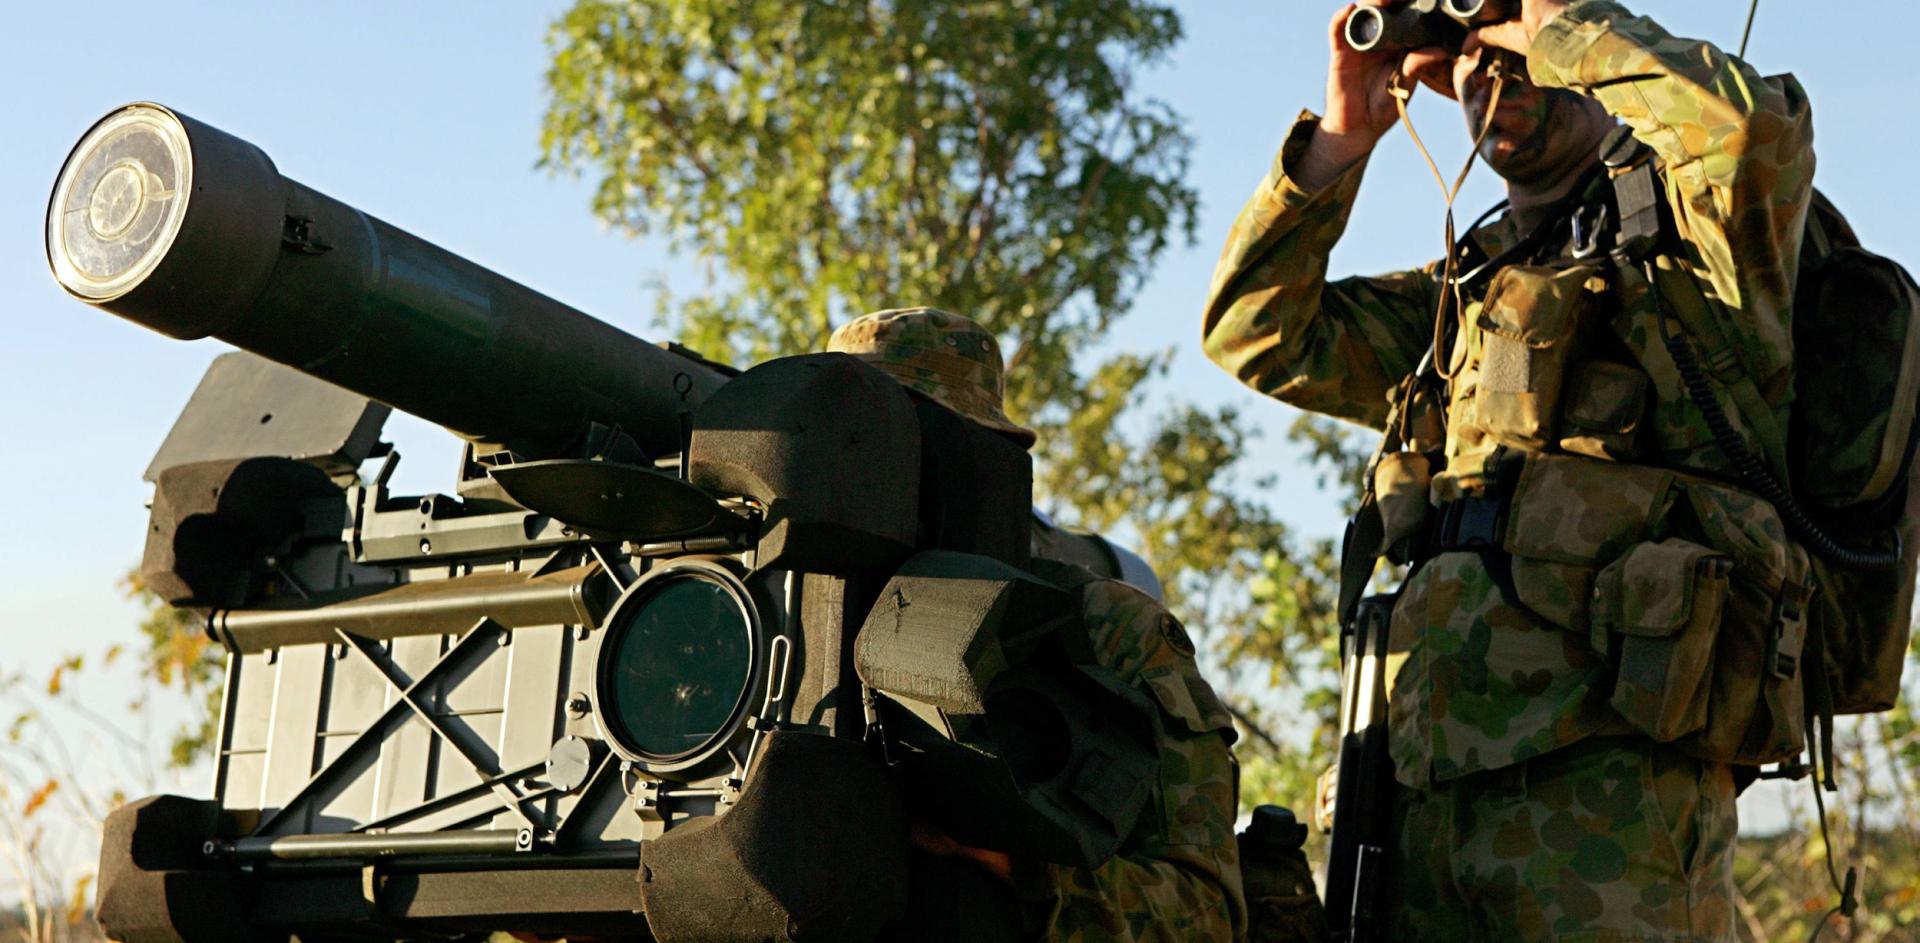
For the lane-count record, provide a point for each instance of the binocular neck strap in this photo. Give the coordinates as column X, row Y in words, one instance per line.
column 1450, row 294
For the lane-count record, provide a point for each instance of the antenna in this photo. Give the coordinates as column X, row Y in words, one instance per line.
column 1746, row 35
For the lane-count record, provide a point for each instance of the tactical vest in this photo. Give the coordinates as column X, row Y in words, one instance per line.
column 1591, row 433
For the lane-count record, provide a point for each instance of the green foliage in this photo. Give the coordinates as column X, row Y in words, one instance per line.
column 1785, row 888
column 179, row 657
column 826, row 159
column 1293, row 641
column 1340, row 451
column 838, row 157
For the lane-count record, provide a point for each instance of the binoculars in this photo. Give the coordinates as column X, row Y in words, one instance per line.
column 1420, row 23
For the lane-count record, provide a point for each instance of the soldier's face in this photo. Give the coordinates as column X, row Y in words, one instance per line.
column 1537, row 135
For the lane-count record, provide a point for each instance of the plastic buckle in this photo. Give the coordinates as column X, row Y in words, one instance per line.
column 1789, row 633
column 1470, row 523
column 1637, row 196
column 1724, row 364
column 1620, row 149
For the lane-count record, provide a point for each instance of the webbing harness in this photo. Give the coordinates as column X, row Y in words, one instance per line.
column 1476, row 523
column 1643, row 227
column 1361, row 546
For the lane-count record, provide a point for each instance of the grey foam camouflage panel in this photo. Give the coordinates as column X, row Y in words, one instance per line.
column 1481, row 682
column 1177, row 878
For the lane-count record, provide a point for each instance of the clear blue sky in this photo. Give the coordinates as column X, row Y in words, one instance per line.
column 426, row 114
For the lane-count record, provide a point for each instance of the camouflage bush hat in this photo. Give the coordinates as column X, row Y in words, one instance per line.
column 940, row 355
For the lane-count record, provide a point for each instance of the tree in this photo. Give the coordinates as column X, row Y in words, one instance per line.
column 828, row 158
column 178, row 657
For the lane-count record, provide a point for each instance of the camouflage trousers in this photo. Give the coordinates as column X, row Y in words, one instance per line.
column 1611, row 840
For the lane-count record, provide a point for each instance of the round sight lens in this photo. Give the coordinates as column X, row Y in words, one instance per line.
column 675, row 668
column 119, row 202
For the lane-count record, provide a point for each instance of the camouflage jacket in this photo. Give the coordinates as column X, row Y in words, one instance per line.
column 1559, row 370
column 1177, row 878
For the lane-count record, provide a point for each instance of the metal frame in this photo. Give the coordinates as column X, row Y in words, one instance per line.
column 485, row 636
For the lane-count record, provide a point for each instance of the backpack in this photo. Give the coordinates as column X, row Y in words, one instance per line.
column 1852, row 435
column 1849, row 445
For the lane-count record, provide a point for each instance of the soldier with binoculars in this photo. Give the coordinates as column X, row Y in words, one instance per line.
column 1547, row 478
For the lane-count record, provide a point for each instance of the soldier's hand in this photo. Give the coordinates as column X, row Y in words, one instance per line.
column 1517, row 35
column 936, row 842
column 1359, row 104
column 1360, row 107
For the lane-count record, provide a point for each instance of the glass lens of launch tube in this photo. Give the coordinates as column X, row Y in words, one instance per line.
column 119, row 202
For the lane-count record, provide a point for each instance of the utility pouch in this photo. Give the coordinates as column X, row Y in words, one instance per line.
column 1606, row 410
column 1199, row 732
column 1402, row 486
column 1659, row 607
column 1756, row 698
column 1571, row 516
column 1530, row 333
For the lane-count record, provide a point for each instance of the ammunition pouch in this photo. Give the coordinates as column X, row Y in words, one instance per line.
column 1756, row 697
column 1660, row 605
column 1530, row 332
column 1604, row 411
column 1690, row 588
column 1402, row 487
column 1569, row 517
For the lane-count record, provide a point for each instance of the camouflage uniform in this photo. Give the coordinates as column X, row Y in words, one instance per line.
column 1177, row 878
column 1550, row 697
